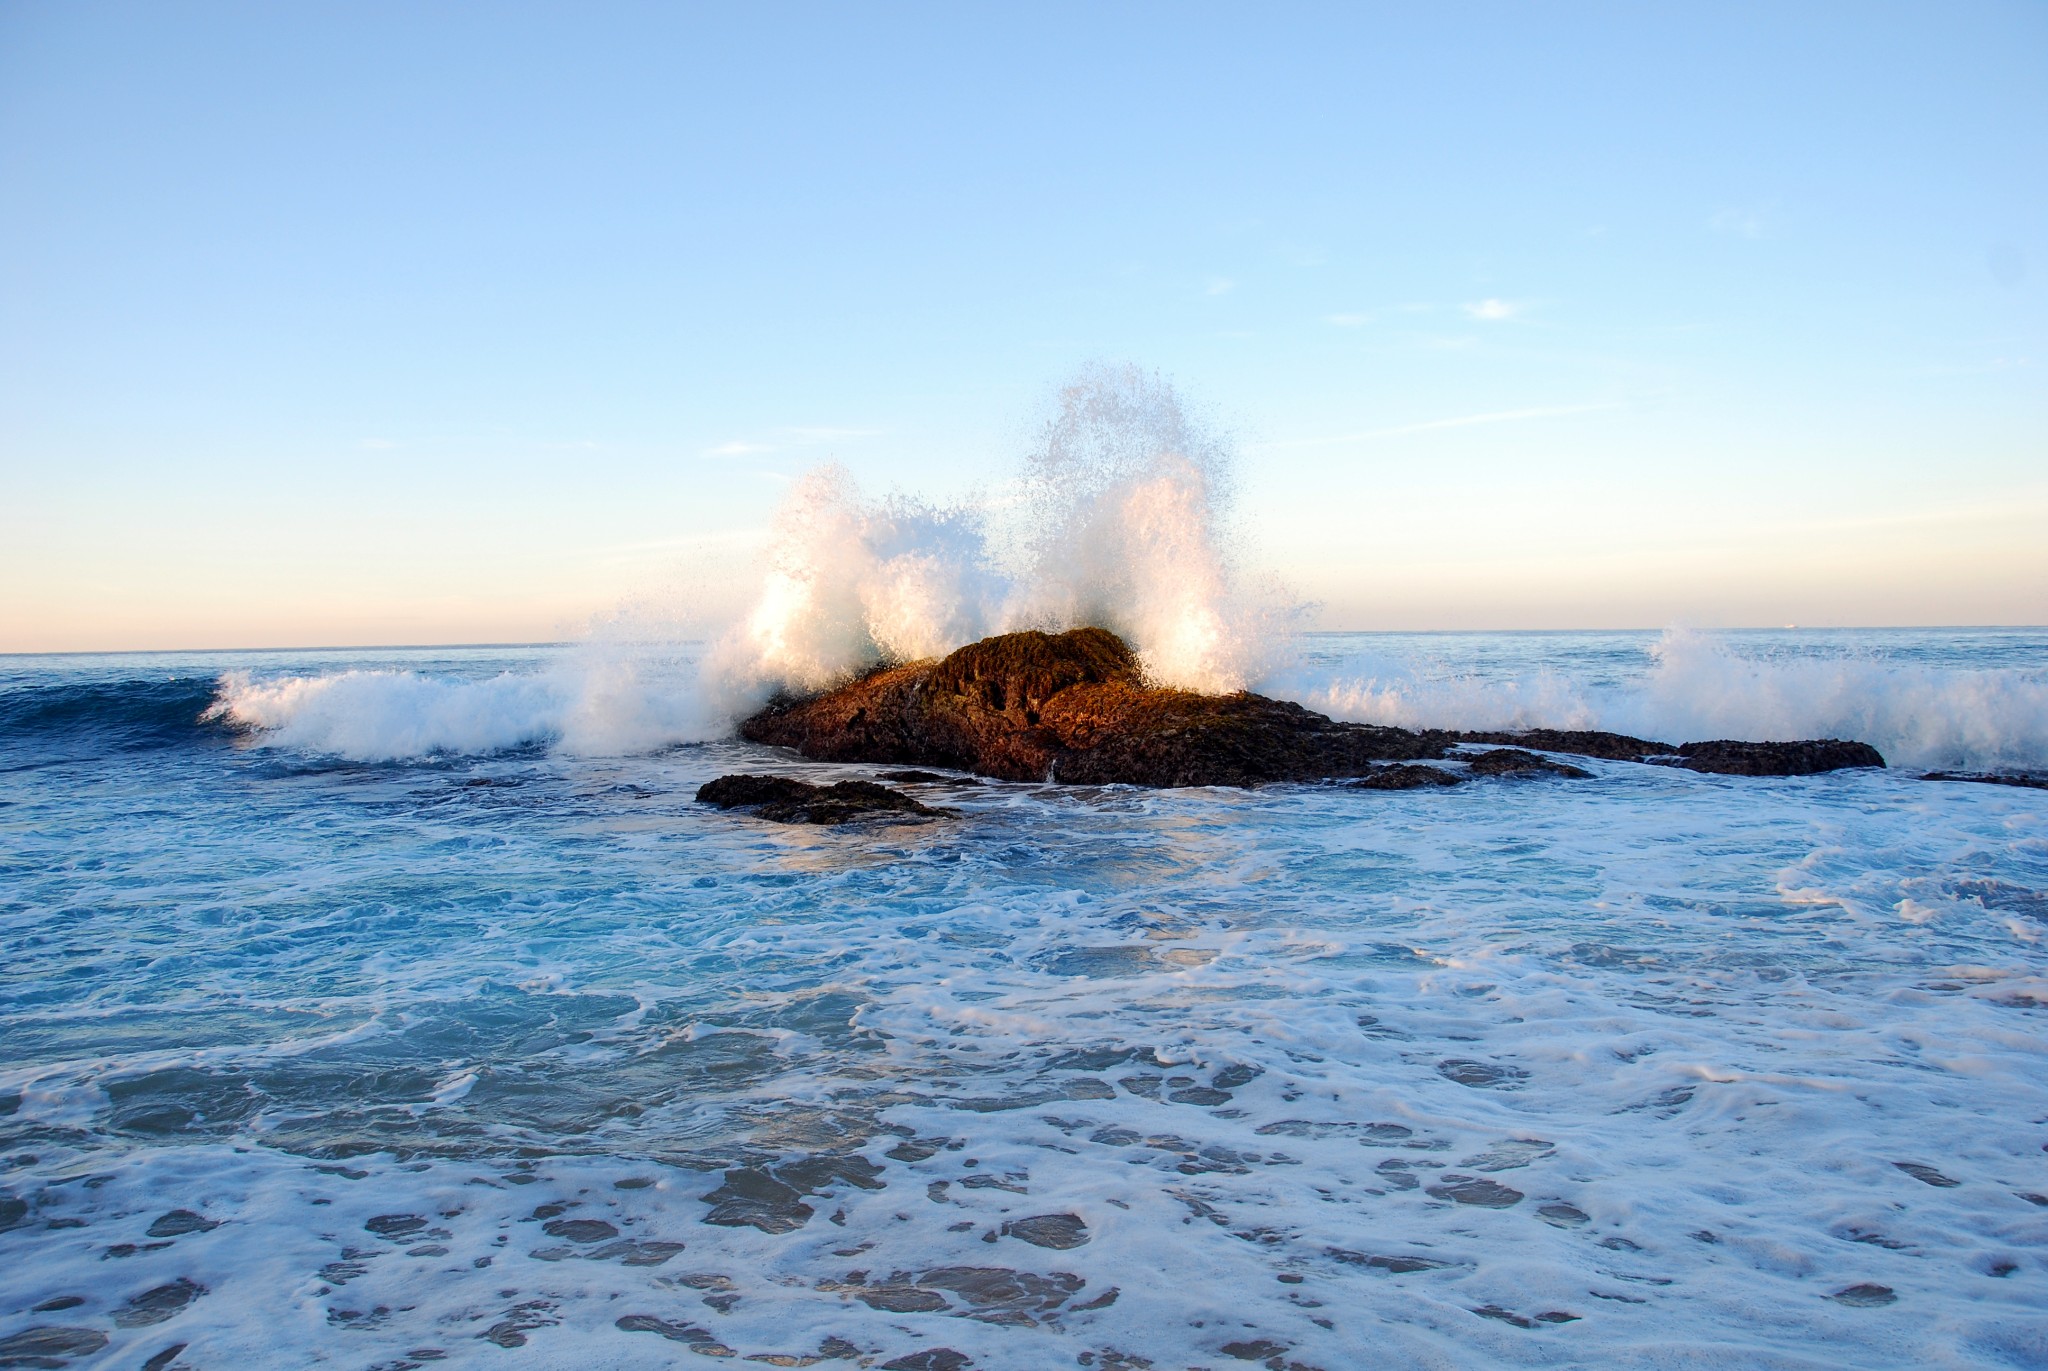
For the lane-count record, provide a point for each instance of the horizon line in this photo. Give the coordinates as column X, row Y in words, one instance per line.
column 1305, row 633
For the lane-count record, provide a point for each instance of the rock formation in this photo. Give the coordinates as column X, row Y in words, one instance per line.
column 2024, row 779
column 1729, row 758
column 1074, row 708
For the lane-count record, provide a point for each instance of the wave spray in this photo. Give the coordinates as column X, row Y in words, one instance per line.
column 1119, row 518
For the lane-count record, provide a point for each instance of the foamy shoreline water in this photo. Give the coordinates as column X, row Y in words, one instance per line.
column 521, row 1057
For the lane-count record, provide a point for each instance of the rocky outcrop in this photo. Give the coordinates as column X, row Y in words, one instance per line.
column 1728, row 758
column 1724, row 757
column 791, row 801
column 1580, row 742
column 1074, row 708
column 2023, row 779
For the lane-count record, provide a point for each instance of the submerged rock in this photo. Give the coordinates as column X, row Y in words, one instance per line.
column 798, row 802
column 1075, row 708
column 1512, row 761
column 1058, row 1231
column 1406, row 776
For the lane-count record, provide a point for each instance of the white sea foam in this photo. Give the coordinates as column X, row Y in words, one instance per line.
column 1701, row 686
column 1654, row 1070
column 601, row 699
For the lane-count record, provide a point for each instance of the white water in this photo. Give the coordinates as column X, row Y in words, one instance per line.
column 1119, row 519
column 1694, row 686
column 597, row 700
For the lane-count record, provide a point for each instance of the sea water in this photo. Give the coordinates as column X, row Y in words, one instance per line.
column 402, row 1008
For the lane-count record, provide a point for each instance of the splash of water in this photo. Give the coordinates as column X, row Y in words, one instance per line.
column 1120, row 521
column 1128, row 500
column 852, row 583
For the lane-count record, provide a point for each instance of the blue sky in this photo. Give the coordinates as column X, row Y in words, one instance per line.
column 393, row 323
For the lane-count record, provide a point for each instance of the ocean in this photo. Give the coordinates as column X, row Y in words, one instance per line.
column 402, row 1008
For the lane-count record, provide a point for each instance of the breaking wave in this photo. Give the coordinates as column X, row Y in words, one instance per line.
column 1699, row 686
column 597, row 701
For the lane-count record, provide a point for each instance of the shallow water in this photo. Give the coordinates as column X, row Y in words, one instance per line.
column 522, row 1058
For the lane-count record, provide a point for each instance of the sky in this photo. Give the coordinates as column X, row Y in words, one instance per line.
column 387, row 323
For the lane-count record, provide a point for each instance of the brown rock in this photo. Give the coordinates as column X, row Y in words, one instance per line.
column 1580, row 742
column 1073, row 707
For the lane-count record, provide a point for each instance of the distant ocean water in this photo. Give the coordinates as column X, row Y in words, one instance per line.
column 401, row 1008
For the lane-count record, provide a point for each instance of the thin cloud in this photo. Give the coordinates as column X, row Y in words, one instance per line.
column 793, row 436
column 1219, row 285
column 1348, row 320
column 1493, row 311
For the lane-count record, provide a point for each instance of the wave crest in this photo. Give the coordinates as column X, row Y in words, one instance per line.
column 597, row 702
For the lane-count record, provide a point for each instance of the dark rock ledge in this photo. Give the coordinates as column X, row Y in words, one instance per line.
column 1074, row 708
column 2023, row 779
column 798, row 802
